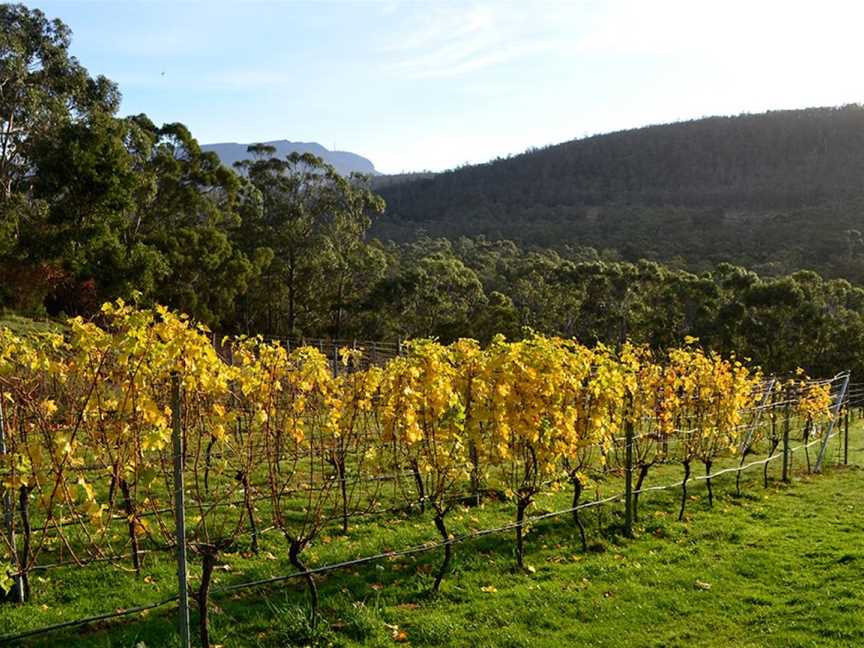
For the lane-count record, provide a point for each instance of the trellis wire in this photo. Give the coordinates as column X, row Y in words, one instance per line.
column 387, row 555
column 840, row 398
column 55, row 525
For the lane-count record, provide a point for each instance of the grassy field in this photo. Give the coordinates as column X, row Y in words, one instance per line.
column 775, row 567
column 21, row 325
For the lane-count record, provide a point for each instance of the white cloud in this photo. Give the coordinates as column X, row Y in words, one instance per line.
column 452, row 40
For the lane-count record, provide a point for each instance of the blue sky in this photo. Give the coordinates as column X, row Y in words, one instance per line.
column 431, row 85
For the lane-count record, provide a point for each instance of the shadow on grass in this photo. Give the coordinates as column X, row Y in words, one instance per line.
column 355, row 600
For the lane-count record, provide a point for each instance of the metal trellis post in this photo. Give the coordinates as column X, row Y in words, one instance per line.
column 846, row 438
column 834, row 415
column 786, row 453
column 179, row 517
column 335, row 358
column 745, row 444
column 628, row 481
column 17, row 593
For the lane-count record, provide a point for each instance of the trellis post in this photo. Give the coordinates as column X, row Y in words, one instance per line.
column 846, row 438
column 179, row 514
column 628, row 479
column 17, row 593
column 841, row 397
column 769, row 391
column 335, row 358
column 748, row 438
column 785, row 476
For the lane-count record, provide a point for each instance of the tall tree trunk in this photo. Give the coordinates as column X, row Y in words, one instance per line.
column 291, row 297
column 337, row 328
column 270, row 307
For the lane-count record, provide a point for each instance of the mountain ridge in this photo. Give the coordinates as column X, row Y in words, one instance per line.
column 717, row 160
column 345, row 162
column 776, row 192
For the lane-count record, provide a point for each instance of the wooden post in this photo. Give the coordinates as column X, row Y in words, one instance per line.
column 628, row 480
column 17, row 593
column 179, row 514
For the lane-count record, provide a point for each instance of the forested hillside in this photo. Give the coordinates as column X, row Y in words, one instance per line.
column 260, row 391
column 777, row 192
column 96, row 206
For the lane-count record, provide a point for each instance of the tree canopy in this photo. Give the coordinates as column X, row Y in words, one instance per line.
column 777, row 192
column 94, row 206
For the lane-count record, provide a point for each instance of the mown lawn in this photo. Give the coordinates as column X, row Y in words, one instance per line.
column 780, row 566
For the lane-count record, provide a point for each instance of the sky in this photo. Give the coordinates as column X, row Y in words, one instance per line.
column 433, row 85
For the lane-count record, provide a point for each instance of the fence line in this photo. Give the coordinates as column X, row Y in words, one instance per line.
column 417, row 549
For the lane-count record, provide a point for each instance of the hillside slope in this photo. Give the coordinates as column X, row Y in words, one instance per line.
column 776, row 191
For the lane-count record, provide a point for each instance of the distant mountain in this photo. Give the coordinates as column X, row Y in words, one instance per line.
column 344, row 162
column 776, row 191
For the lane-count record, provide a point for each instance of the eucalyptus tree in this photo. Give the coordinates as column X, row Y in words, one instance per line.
column 42, row 88
column 314, row 221
column 44, row 92
column 190, row 213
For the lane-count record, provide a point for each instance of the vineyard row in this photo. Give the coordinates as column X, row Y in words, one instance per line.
column 136, row 421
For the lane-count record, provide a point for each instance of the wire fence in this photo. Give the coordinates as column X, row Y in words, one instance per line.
column 846, row 397
column 410, row 551
column 374, row 352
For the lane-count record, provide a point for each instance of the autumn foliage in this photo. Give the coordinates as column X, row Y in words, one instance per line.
column 289, row 440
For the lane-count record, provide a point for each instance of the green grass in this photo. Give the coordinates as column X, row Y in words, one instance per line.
column 776, row 567
column 21, row 325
